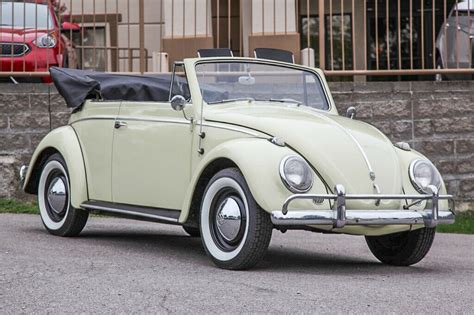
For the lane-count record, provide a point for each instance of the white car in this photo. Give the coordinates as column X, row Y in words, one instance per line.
column 455, row 43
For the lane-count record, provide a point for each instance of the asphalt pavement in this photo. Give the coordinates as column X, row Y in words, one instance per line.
column 120, row 266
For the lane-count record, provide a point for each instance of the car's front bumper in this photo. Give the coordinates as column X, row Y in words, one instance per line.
column 340, row 216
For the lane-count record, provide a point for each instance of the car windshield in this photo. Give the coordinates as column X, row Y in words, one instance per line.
column 223, row 82
column 25, row 15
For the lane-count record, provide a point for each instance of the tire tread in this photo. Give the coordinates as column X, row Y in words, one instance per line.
column 417, row 245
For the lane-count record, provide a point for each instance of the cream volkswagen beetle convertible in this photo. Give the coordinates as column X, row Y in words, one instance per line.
column 232, row 148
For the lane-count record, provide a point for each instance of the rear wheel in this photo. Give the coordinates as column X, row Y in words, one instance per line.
column 54, row 200
column 235, row 231
column 402, row 249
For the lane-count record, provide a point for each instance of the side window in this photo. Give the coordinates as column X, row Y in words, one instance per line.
column 179, row 82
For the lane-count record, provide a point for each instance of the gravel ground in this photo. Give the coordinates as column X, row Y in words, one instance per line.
column 120, row 266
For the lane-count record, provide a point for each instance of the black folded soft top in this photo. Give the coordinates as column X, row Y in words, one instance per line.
column 76, row 86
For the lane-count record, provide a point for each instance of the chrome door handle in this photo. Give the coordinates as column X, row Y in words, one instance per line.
column 119, row 124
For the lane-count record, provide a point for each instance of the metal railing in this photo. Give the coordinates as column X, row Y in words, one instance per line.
column 388, row 38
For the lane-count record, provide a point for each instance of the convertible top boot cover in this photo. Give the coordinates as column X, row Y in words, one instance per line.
column 77, row 86
column 74, row 85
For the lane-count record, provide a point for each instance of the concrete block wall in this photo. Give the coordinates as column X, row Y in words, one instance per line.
column 436, row 118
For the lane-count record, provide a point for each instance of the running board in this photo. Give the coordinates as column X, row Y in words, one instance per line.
column 133, row 212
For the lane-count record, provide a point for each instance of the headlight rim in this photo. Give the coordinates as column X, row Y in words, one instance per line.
column 285, row 180
column 411, row 175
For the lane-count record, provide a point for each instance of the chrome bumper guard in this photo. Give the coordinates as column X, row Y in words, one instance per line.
column 340, row 216
column 22, row 174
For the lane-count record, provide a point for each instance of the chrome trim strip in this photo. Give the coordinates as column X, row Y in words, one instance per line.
column 359, row 146
column 89, row 206
column 171, row 121
column 94, row 118
column 174, row 121
column 359, row 217
column 211, row 125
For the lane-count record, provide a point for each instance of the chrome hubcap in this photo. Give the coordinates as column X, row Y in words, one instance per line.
column 57, row 195
column 229, row 219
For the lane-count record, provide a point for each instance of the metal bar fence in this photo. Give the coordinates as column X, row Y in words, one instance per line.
column 349, row 38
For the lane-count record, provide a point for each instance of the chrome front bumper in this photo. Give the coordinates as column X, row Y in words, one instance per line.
column 340, row 216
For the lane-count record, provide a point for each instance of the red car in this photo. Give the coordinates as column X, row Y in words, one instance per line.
column 30, row 38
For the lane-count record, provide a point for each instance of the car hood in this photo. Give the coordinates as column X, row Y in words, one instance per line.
column 20, row 35
column 342, row 150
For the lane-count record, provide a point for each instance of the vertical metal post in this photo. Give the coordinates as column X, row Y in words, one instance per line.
column 94, row 29
column 377, row 34
column 387, row 31
column 399, row 36
column 218, row 24
column 433, row 26
column 106, row 50
column 422, row 34
column 141, row 7
column 308, row 29
column 353, row 37
column 456, row 34
column 82, row 34
column 24, row 33
column 411, row 34
column 365, row 36
column 322, row 55
column 229, row 25
column 343, row 46
column 331, row 37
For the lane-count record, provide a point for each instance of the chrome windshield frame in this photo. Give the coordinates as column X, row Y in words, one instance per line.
column 326, row 97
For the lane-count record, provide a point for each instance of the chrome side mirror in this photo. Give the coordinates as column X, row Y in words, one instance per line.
column 351, row 112
column 178, row 103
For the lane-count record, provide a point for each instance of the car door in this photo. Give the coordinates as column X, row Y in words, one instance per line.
column 94, row 126
column 151, row 160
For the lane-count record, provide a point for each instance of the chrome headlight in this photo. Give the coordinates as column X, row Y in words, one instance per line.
column 296, row 174
column 422, row 174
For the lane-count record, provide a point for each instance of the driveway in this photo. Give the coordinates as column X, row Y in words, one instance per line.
column 120, row 266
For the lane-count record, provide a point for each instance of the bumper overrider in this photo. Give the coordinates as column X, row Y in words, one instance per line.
column 339, row 216
column 22, row 174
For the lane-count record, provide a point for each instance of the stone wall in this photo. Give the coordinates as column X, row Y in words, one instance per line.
column 436, row 118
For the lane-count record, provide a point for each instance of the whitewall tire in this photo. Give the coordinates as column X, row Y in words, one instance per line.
column 235, row 231
column 54, row 200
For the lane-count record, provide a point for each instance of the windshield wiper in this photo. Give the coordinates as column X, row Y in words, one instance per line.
column 249, row 99
column 285, row 100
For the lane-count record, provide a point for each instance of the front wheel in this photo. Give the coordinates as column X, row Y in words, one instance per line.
column 235, row 231
column 54, row 200
column 402, row 249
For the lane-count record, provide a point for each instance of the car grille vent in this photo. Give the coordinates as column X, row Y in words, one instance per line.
column 15, row 50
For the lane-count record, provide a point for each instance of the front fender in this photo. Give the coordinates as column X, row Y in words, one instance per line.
column 259, row 161
column 63, row 140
